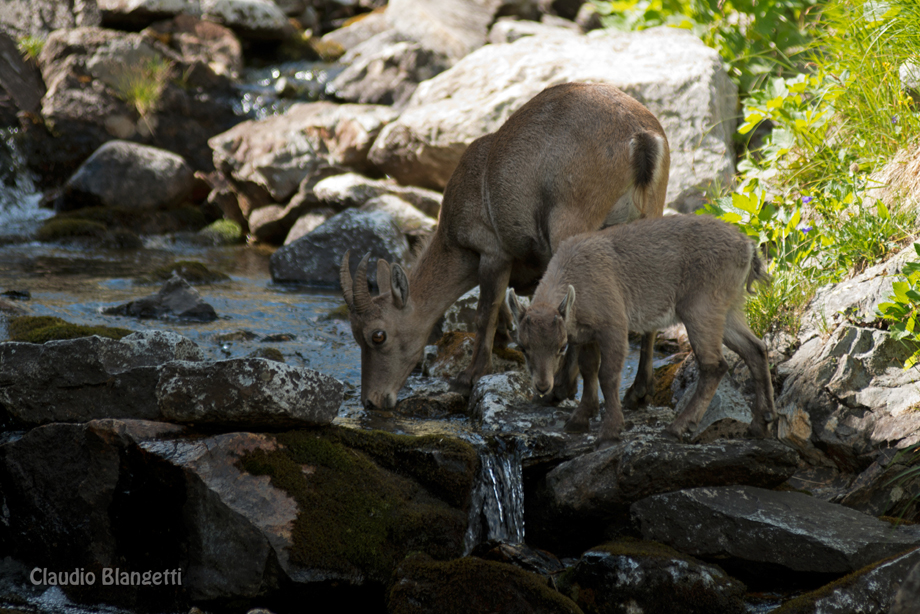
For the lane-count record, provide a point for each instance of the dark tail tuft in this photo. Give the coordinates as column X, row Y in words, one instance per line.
column 758, row 273
column 645, row 149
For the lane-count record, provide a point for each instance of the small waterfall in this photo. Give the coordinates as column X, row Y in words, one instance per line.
column 20, row 213
column 497, row 507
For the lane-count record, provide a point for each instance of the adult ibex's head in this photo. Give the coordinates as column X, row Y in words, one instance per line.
column 542, row 337
column 385, row 328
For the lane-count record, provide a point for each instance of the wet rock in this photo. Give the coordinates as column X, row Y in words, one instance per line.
column 316, row 257
column 867, row 591
column 683, row 84
column 386, row 69
column 246, row 392
column 909, row 594
column 79, row 115
column 454, row 350
column 125, row 174
column 753, row 526
column 87, row 378
column 266, row 165
column 635, row 576
column 354, row 190
column 470, row 585
column 20, row 85
column 177, row 299
column 529, row 559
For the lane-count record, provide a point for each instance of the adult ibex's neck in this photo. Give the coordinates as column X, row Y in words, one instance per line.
column 441, row 276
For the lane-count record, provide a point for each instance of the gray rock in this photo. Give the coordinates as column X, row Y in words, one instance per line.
column 41, row 17
column 869, row 591
column 20, row 84
column 353, row 190
column 268, row 159
column 386, row 69
column 315, row 258
column 453, row 28
column 203, row 41
column 757, row 526
column 598, row 483
column 357, row 31
column 248, row 392
column 84, row 379
column 128, row 175
column 635, row 576
column 410, row 221
column 908, row 596
column 682, row 83
column 307, row 223
column 177, row 299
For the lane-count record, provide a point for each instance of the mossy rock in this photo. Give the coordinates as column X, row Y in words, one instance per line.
column 222, row 232
column 187, row 217
column 366, row 499
column 63, row 229
column 638, row 575
column 190, row 271
column 661, row 387
column 268, row 353
column 338, row 313
column 39, row 329
column 471, row 586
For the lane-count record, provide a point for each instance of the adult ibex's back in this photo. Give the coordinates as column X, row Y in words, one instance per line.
column 575, row 158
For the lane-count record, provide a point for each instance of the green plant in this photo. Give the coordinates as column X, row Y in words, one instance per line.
column 141, row 85
column 902, row 310
column 31, row 46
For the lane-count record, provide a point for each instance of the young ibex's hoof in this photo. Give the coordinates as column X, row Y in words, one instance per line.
column 461, row 384
column 757, row 430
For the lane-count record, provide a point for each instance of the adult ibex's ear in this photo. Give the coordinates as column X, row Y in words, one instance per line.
column 399, row 285
column 565, row 307
column 515, row 306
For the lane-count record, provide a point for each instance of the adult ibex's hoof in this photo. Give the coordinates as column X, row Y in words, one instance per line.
column 758, row 430
column 634, row 399
column 577, row 425
column 462, row 384
column 676, row 435
column 608, row 435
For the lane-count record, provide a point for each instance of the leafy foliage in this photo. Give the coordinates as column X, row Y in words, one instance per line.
column 902, row 310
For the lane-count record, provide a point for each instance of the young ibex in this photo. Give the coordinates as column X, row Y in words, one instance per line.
column 640, row 277
column 576, row 157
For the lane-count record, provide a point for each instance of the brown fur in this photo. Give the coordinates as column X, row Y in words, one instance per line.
column 640, row 277
column 576, row 157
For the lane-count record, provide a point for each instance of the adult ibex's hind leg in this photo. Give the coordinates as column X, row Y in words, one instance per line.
column 643, row 387
column 740, row 339
column 494, row 275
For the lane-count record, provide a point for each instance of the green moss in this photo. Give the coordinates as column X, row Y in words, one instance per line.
column 339, row 313
column 58, row 229
column 223, row 232
column 192, row 272
column 368, row 498
column 269, row 354
column 470, row 586
column 142, row 221
column 39, row 329
column 661, row 387
column 510, row 355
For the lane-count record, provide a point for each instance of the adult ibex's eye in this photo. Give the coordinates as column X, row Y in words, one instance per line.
column 564, row 349
column 378, row 337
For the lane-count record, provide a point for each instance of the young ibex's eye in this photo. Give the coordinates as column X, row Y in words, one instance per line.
column 564, row 349
column 378, row 337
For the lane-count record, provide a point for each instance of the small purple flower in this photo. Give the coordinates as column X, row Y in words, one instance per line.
column 803, row 228
column 807, row 199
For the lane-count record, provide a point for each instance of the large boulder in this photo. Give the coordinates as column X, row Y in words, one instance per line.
column 91, row 75
column 672, row 72
column 353, row 190
column 753, row 527
column 316, row 257
column 266, row 160
column 39, row 18
column 128, row 175
column 21, row 87
column 453, row 28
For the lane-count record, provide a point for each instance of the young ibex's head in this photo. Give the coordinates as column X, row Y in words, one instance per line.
column 385, row 329
column 542, row 336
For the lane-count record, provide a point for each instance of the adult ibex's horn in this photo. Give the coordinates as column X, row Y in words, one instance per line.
column 362, row 296
column 345, row 280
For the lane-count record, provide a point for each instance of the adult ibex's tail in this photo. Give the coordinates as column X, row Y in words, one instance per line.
column 651, row 160
column 758, row 273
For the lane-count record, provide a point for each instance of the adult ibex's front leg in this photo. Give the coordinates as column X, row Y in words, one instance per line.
column 494, row 275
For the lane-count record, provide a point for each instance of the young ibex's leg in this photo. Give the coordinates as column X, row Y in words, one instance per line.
column 494, row 275
column 640, row 393
column 704, row 331
column 740, row 339
column 589, row 360
column 614, row 345
column 566, row 386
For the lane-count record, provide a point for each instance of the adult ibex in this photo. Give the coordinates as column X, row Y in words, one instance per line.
column 639, row 277
column 576, row 157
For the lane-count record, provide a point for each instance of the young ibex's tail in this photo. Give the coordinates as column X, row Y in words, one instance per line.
column 651, row 161
column 758, row 273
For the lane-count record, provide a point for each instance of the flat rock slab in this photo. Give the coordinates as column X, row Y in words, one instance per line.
column 752, row 524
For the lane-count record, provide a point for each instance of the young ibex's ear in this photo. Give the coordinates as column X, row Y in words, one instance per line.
column 515, row 306
column 565, row 307
column 383, row 275
column 399, row 285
